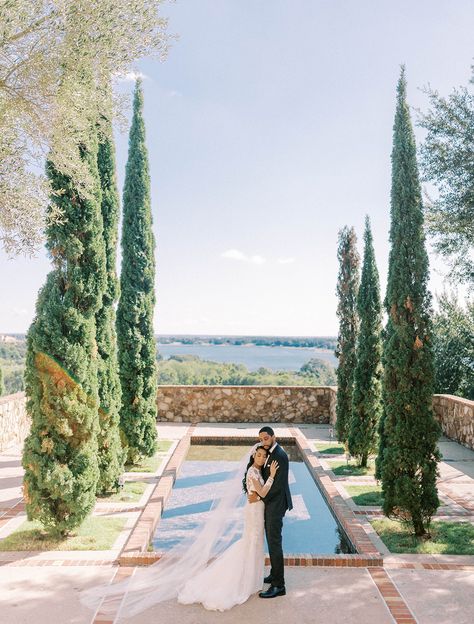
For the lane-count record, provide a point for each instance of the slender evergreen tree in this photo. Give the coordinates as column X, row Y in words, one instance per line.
column 408, row 453
column 60, row 453
column 347, row 289
column 111, row 455
column 136, row 341
column 366, row 397
column 2, row 384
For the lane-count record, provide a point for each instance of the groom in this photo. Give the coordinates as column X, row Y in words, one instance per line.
column 277, row 501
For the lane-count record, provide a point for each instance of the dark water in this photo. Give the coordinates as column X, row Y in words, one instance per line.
column 254, row 357
column 309, row 528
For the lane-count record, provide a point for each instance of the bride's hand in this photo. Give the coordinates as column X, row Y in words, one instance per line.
column 273, row 468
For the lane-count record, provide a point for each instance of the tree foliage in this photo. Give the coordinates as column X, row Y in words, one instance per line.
column 110, row 453
column 408, row 452
column 135, row 334
column 60, row 453
column 453, row 330
column 347, row 290
column 448, row 163
column 367, row 393
column 57, row 58
column 191, row 370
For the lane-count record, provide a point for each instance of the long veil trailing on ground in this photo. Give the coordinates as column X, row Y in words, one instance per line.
column 164, row 579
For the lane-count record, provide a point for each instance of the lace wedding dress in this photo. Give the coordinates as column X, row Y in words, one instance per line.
column 238, row 572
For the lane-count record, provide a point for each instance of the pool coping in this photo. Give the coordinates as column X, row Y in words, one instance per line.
column 135, row 550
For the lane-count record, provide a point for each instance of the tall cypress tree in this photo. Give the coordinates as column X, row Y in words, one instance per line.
column 111, row 454
column 408, row 452
column 366, row 397
column 347, row 289
column 136, row 340
column 2, row 384
column 60, row 453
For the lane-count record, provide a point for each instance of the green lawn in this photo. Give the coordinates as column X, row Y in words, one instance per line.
column 365, row 494
column 215, row 452
column 342, row 468
column 95, row 533
column 151, row 464
column 330, row 448
column 448, row 538
column 131, row 492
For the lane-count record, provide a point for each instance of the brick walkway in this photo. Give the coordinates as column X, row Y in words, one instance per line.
column 408, row 588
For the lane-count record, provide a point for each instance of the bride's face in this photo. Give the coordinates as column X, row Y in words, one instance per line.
column 260, row 457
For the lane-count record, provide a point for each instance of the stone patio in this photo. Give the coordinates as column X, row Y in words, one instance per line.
column 408, row 588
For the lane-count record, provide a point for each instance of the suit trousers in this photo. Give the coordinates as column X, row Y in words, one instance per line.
column 273, row 529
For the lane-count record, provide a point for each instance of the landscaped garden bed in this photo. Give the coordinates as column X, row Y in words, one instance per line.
column 95, row 533
column 447, row 538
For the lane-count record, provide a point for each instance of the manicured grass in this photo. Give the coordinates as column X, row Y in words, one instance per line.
column 447, row 538
column 214, row 452
column 151, row 464
column 95, row 533
column 365, row 494
column 342, row 468
column 330, row 448
column 131, row 492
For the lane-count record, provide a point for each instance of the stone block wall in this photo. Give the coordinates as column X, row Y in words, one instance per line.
column 285, row 404
column 262, row 404
column 14, row 421
column 456, row 417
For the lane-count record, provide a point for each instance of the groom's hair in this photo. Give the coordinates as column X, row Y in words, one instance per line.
column 268, row 430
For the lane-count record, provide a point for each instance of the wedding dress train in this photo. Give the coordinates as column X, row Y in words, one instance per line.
column 238, row 572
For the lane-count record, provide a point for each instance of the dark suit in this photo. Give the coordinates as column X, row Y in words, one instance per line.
column 277, row 501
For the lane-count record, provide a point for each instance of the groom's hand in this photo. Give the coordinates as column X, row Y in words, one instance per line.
column 252, row 497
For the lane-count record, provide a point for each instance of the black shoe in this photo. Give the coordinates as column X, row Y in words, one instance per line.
column 268, row 579
column 273, row 592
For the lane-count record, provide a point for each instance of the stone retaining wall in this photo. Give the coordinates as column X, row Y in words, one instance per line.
column 456, row 417
column 285, row 404
column 289, row 404
column 14, row 421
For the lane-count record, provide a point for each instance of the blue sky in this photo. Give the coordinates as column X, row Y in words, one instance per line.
column 269, row 127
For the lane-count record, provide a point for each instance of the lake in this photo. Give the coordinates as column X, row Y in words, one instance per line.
column 254, row 357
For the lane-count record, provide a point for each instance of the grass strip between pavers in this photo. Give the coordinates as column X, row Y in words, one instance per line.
column 95, row 533
column 330, row 448
column 131, row 492
column 447, row 538
column 365, row 494
column 151, row 464
column 342, row 468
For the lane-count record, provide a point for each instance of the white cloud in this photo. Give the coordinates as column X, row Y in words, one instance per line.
column 286, row 260
column 236, row 254
column 130, row 76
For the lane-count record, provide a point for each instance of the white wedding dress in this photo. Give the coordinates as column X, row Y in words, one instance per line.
column 238, row 572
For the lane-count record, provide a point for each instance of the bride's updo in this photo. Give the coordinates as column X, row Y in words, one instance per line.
column 251, row 460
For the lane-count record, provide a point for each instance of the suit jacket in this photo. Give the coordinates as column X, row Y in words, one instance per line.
column 279, row 496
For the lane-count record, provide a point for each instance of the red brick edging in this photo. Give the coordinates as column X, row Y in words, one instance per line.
column 395, row 602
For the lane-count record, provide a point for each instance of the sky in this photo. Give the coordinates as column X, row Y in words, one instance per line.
column 269, row 128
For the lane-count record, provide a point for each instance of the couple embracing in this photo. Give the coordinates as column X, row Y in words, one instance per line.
column 212, row 567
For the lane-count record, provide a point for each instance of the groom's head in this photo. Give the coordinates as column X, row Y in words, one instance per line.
column 267, row 437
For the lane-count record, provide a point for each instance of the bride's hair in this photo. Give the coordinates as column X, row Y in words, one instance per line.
column 251, row 461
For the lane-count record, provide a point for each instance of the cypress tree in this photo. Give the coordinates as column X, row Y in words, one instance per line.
column 60, row 453
column 366, row 397
column 135, row 335
column 111, row 455
column 347, row 289
column 408, row 453
column 2, row 383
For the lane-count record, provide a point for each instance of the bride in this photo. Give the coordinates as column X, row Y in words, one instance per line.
column 238, row 573
column 219, row 565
